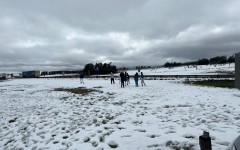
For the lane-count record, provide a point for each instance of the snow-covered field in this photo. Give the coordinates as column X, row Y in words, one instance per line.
column 190, row 70
column 161, row 115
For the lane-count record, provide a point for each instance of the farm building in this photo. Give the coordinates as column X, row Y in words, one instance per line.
column 3, row 75
column 31, row 74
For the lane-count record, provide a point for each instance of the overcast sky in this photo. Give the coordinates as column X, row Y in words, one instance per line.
column 67, row 34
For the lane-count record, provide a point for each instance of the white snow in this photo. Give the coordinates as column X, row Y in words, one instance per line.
column 190, row 70
column 160, row 115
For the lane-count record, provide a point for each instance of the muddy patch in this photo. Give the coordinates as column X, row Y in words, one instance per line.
column 79, row 90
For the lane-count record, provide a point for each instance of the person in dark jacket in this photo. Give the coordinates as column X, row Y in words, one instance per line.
column 122, row 77
column 112, row 78
column 125, row 78
column 142, row 79
column 136, row 76
column 128, row 79
column 81, row 78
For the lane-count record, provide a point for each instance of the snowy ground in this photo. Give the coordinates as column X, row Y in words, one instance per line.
column 161, row 115
column 190, row 70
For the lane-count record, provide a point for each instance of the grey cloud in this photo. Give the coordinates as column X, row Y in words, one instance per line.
column 67, row 34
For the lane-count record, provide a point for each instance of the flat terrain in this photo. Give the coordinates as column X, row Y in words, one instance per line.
column 64, row 114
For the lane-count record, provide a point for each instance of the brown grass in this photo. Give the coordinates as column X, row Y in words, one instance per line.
column 79, row 90
column 215, row 83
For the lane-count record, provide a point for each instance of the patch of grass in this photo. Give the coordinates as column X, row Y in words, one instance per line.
column 97, row 87
column 79, row 90
column 215, row 83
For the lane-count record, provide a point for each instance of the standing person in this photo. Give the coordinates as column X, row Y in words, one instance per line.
column 136, row 79
column 81, row 78
column 122, row 79
column 128, row 79
column 125, row 78
column 112, row 78
column 142, row 79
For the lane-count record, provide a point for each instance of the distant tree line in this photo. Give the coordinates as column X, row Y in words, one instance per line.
column 99, row 68
column 123, row 68
column 172, row 64
column 89, row 69
column 203, row 61
column 143, row 67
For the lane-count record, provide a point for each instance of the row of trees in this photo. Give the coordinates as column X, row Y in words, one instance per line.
column 99, row 68
column 89, row 69
column 204, row 61
column 143, row 67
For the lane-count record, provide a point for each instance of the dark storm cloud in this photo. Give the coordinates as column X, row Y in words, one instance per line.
column 59, row 34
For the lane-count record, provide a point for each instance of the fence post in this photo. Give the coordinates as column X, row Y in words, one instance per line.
column 205, row 141
column 237, row 70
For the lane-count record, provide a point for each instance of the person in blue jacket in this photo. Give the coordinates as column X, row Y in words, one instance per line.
column 136, row 76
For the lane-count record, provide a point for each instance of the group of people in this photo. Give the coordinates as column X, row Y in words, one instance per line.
column 125, row 79
column 136, row 77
